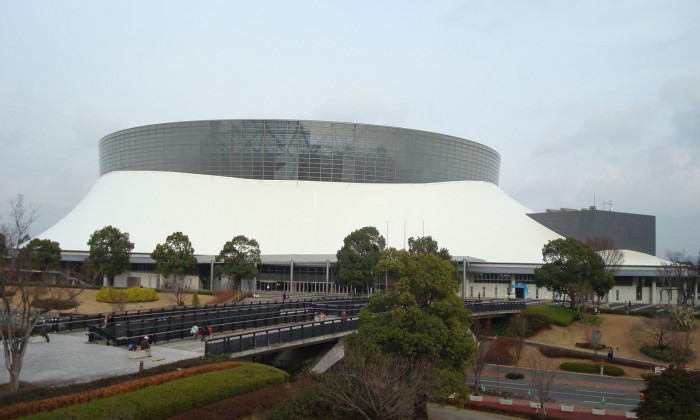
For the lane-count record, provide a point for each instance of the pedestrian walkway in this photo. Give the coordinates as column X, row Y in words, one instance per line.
column 553, row 410
column 69, row 359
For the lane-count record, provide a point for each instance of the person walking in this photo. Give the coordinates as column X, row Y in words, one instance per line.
column 145, row 345
column 110, row 325
column 194, row 331
column 43, row 331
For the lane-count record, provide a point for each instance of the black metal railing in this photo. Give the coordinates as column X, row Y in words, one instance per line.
column 240, row 342
column 83, row 321
column 494, row 306
column 179, row 327
column 168, row 325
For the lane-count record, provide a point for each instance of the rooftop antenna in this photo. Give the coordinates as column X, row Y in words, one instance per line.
column 609, row 203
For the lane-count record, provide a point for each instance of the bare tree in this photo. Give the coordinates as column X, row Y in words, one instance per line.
column 518, row 327
column 542, row 377
column 658, row 329
column 612, row 257
column 117, row 299
column 583, row 294
column 679, row 344
column 375, row 386
column 675, row 275
column 25, row 290
column 483, row 347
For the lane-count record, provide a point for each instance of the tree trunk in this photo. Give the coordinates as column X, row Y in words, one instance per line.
column 14, row 378
column 14, row 366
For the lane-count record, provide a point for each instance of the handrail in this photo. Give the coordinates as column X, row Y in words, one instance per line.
column 167, row 325
column 239, row 342
column 180, row 329
column 81, row 321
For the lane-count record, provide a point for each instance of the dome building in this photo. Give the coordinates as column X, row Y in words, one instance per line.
column 298, row 188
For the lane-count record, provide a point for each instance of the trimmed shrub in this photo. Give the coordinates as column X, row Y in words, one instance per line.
column 647, row 314
column 610, row 370
column 174, row 397
column 52, row 304
column 132, row 294
column 656, row 353
column 667, row 354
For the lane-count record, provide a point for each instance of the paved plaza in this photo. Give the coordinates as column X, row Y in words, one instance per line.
column 69, row 358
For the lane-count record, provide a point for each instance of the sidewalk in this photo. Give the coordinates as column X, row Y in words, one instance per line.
column 523, row 406
column 70, row 359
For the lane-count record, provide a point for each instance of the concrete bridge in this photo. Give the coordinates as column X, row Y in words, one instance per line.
column 284, row 342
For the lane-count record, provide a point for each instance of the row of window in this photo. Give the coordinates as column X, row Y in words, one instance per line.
column 216, row 147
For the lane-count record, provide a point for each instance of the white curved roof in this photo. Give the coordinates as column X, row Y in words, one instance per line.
column 470, row 218
column 634, row 258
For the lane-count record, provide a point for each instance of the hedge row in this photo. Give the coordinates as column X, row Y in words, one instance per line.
column 646, row 314
column 34, row 407
column 174, row 397
column 609, row 370
column 132, row 294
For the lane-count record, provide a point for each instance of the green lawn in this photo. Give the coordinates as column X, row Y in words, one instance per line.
column 558, row 315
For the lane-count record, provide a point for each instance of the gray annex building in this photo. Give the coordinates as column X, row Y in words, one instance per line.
column 299, row 187
column 636, row 232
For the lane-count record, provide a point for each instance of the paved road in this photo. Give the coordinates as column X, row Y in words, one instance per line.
column 570, row 388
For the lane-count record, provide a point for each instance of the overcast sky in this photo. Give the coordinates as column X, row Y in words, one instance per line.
column 580, row 98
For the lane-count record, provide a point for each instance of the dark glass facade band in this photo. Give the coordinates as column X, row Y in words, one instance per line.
column 299, row 150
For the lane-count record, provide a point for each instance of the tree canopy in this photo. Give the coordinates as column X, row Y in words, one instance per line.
column 675, row 394
column 358, row 257
column 109, row 251
column 427, row 245
column 240, row 257
column 572, row 267
column 42, row 254
column 175, row 257
column 422, row 316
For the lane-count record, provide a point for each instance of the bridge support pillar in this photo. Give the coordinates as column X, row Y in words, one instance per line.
column 329, row 358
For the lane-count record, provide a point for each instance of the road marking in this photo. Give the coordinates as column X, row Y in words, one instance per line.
column 601, row 392
column 513, row 384
column 607, row 403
